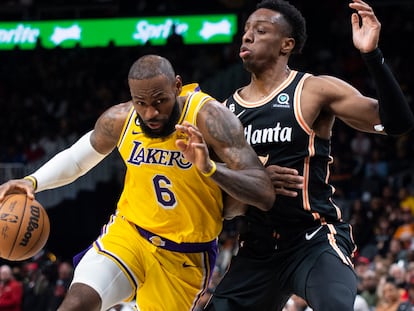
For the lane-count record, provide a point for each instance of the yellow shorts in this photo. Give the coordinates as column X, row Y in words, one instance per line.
column 165, row 280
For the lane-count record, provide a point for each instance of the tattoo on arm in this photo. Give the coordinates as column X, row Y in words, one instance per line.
column 110, row 124
column 227, row 133
column 243, row 176
column 107, row 125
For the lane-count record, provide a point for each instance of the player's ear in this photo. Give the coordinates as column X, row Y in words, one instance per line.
column 178, row 85
column 288, row 43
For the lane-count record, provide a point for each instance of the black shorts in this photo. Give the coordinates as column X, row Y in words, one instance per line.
column 314, row 264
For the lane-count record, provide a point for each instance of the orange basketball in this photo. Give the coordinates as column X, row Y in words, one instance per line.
column 24, row 227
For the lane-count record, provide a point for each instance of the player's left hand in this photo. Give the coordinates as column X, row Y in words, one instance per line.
column 365, row 27
column 286, row 181
column 194, row 148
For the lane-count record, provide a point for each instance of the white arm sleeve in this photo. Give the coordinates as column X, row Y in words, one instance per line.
column 68, row 165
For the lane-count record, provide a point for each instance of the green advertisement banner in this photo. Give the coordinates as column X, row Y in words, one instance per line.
column 198, row 29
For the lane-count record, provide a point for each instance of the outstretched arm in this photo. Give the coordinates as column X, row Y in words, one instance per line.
column 395, row 113
column 62, row 169
column 242, row 176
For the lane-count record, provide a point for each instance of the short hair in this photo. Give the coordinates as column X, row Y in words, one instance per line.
column 293, row 17
column 150, row 66
column 391, row 280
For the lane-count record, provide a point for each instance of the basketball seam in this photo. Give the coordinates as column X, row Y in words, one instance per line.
column 20, row 225
column 36, row 244
column 4, row 203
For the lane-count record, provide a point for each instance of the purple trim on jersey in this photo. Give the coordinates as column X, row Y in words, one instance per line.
column 211, row 262
column 79, row 256
column 177, row 247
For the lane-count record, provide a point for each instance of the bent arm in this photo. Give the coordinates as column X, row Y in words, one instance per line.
column 243, row 176
column 340, row 99
column 390, row 114
column 395, row 113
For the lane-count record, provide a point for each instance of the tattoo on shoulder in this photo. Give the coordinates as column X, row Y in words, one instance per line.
column 112, row 120
column 107, row 125
column 224, row 127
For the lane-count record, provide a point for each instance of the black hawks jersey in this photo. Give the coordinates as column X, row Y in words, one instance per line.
column 276, row 130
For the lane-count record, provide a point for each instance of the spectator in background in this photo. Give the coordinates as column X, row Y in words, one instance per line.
column 34, row 152
column 11, row 290
column 376, row 166
column 175, row 39
column 13, row 153
column 397, row 271
column 406, row 199
column 383, row 234
column 35, row 288
column 390, row 299
column 361, row 266
column 375, row 173
column 389, row 197
column 404, row 231
column 396, row 251
column 361, row 147
column 369, row 284
column 65, row 274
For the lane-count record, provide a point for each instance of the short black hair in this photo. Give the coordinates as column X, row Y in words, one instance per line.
column 391, row 279
column 150, row 66
column 292, row 16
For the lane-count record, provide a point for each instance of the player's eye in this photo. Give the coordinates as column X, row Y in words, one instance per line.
column 159, row 101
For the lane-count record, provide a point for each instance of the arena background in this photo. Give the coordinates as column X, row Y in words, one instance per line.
column 49, row 97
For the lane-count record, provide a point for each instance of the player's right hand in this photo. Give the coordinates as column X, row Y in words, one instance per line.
column 17, row 186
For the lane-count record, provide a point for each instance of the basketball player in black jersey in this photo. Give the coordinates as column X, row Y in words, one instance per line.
column 301, row 246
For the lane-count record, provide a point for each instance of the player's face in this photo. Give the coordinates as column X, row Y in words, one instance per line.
column 262, row 39
column 155, row 101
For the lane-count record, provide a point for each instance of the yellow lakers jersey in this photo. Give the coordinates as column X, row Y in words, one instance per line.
column 163, row 192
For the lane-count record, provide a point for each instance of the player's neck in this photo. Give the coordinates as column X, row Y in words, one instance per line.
column 268, row 81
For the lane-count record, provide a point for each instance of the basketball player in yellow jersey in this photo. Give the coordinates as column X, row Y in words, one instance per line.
column 184, row 156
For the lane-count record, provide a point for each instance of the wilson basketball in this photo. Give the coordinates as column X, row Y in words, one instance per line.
column 24, row 227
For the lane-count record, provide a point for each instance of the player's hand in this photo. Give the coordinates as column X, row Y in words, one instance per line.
column 193, row 146
column 365, row 27
column 17, row 186
column 285, row 180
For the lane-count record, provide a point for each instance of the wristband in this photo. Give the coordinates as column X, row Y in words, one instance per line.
column 33, row 180
column 212, row 171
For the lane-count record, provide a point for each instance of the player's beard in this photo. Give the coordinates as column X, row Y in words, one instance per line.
column 168, row 127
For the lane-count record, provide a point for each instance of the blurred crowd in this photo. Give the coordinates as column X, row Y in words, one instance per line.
column 38, row 285
column 50, row 97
